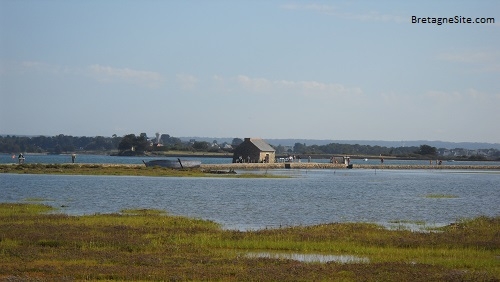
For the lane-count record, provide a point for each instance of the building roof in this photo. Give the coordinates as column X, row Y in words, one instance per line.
column 261, row 145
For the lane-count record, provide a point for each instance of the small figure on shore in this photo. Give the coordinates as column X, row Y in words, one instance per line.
column 430, row 162
column 21, row 158
column 309, row 159
column 381, row 160
column 73, row 158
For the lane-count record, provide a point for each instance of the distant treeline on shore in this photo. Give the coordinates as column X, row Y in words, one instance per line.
column 132, row 144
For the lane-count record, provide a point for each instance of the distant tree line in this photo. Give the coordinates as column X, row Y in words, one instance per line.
column 56, row 144
column 129, row 144
column 356, row 149
column 132, row 144
column 422, row 151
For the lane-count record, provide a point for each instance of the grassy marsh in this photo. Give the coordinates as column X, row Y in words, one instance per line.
column 152, row 245
column 119, row 170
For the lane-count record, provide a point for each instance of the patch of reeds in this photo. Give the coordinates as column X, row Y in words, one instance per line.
column 152, row 245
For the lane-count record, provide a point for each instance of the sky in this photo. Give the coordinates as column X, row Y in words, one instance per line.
column 332, row 70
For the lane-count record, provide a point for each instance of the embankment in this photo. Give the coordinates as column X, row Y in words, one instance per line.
column 298, row 165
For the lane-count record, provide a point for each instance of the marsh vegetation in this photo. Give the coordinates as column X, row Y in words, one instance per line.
column 37, row 243
column 121, row 170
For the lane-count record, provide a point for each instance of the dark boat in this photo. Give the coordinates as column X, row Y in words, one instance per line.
column 173, row 163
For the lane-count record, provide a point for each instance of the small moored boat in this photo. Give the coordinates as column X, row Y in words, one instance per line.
column 173, row 163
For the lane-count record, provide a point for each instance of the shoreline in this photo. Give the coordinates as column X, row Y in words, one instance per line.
column 313, row 165
column 264, row 166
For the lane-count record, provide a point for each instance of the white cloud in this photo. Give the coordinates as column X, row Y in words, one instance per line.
column 111, row 74
column 469, row 57
column 310, row 7
column 374, row 16
column 41, row 67
column 443, row 96
column 32, row 64
column 98, row 72
column 299, row 87
column 395, row 99
column 470, row 95
column 186, row 81
column 254, row 84
column 477, row 61
column 337, row 12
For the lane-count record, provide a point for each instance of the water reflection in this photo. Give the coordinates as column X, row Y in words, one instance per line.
column 309, row 257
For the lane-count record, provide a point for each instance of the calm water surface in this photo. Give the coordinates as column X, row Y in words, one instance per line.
column 98, row 159
column 310, row 197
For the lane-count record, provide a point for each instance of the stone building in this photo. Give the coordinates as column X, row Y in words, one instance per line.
column 254, row 150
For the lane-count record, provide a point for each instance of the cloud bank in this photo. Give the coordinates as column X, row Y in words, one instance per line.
column 370, row 16
column 111, row 74
column 299, row 87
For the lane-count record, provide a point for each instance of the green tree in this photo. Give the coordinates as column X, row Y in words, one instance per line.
column 236, row 142
column 139, row 143
column 299, row 148
column 166, row 139
column 427, row 150
column 201, row 145
column 127, row 142
column 280, row 149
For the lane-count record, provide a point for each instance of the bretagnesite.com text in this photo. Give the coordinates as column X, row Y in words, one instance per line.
column 451, row 20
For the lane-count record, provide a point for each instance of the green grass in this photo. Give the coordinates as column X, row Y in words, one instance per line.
column 120, row 170
column 38, row 244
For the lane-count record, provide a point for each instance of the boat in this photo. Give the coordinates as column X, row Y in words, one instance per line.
column 173, row 163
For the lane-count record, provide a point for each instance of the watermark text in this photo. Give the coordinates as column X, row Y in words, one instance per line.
column 451, row 20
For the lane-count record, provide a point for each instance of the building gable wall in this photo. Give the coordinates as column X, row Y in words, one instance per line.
column 248, row 151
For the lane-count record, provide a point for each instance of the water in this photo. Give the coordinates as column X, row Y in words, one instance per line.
column 99, row 159
column 309, row 257
column 309, row 197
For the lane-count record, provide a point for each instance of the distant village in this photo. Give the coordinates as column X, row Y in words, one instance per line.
column 486, row 153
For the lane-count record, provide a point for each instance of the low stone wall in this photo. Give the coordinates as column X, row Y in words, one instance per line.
column 339, row 166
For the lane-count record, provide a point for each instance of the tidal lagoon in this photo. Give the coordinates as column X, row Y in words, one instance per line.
column 307, row 197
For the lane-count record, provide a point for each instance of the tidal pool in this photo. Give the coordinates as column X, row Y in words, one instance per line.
column 321, row 258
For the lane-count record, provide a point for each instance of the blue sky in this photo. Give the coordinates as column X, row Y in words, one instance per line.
column 339, row 70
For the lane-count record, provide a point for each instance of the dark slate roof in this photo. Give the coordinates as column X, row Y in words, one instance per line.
column 262, row 145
